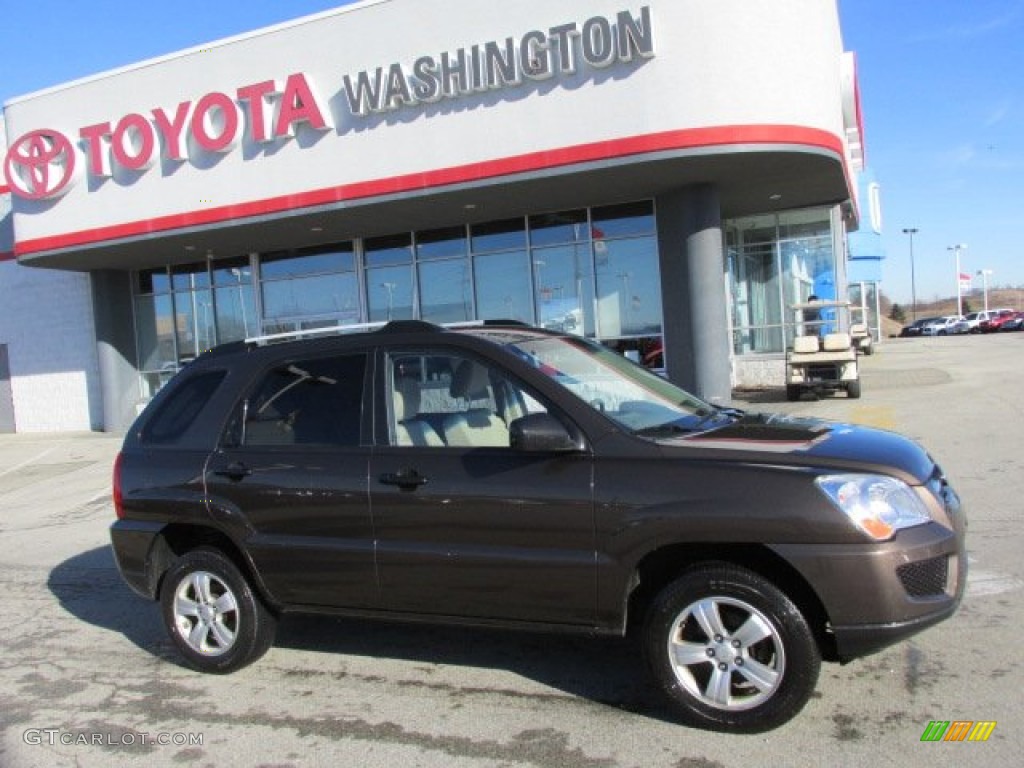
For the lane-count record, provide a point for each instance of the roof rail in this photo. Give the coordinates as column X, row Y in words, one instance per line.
column 389, row 326
column 308, row 332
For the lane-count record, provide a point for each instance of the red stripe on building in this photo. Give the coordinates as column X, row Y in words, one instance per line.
column 535, row 161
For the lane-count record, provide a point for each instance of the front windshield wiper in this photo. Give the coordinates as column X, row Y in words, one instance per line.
column 664, row 430
column 705, row 421
column 733, row 413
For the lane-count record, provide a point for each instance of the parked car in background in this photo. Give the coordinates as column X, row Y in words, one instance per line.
column 977, row 322
column 915, row 328
column 996, row 320
column 949, row 325
column 973, row 319
column 1015, row 323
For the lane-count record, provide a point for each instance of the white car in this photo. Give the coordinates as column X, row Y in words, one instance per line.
column 945, row 326
column 976, row 320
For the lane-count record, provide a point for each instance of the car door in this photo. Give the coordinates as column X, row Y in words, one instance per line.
column 289, row 480
column 466, row 525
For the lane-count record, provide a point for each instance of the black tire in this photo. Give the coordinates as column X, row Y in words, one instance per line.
column 853, row 390
column 735, row 624
column 792, row 393
column 211, row 613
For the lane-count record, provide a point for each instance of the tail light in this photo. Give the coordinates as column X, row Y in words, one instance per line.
column 117, row 493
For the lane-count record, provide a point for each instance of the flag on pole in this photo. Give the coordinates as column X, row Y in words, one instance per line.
column 965, row 282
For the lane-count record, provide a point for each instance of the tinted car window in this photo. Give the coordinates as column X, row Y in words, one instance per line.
column 181, row 407
column 307, row 402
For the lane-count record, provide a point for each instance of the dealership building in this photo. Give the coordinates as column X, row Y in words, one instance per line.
column 665, row 176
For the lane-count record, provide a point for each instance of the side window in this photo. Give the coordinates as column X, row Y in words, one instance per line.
column 443, row 399
column 177, row 413
column 316, row 402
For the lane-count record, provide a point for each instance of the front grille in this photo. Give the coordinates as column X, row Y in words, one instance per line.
column 925, row 578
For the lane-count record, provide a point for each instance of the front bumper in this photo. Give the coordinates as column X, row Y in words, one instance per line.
column 879, row 594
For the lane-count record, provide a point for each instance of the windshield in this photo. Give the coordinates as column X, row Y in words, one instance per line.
column 629, row 395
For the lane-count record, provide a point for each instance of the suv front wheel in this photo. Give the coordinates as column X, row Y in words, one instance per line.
column 731, row 651
column 212, row 614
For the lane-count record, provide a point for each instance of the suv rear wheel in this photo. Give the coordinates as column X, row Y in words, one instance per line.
column 731, row 650
column 212, row 614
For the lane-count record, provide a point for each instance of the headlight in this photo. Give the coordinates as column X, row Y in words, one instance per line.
column 878, row 505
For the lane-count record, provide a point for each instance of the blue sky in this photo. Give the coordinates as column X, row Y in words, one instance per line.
column 942, row 87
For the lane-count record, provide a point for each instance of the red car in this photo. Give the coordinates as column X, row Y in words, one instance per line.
column 997, row 321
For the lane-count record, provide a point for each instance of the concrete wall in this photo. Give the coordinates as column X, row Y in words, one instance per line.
column 46, row 321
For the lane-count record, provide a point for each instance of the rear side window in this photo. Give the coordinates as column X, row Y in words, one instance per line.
column 182, row 406
column 316, row 402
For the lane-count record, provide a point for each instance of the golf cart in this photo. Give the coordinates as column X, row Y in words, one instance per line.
column 822, row 358
column 860, row 336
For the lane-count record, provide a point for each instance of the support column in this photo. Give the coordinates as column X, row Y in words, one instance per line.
column 693, row 292
column 115, row 347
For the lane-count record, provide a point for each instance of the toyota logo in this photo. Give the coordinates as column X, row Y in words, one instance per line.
column 40, row 164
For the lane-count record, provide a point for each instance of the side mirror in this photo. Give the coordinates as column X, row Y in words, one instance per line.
column 541, row 432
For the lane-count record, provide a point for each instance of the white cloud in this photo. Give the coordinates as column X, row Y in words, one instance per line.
column 1001, row 110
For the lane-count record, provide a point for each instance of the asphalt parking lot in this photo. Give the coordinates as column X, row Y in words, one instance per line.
column 87, row 677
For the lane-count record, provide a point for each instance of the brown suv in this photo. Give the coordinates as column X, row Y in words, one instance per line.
column 502, row 475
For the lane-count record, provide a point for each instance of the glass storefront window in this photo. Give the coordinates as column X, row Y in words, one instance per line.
column 503, row 286
column 329, row 294
column 441, row 243
column 193, row 323
column 564, row 281
column 613, row 221
column 320, row 282
column 153, row 281
column 391, row 249
column 506, row 235
column 446, row 291
column 592, row 272
column 154, row 332
column 628, row 287
column 555, row 228
column 308, row 261
column 235, row 300
column 188, row 277
column 389, row 293
column 775, row 261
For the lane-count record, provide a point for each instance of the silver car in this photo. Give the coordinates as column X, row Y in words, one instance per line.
column 945, row 326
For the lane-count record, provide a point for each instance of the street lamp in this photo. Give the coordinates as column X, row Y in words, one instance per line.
column 985, row 274
column 390, row 288
column 959, row 290
column 913, row 288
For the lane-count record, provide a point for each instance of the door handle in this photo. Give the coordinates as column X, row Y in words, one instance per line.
column 406, row 479
column 234, row 471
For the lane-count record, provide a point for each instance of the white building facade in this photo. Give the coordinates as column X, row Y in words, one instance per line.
column 662, row 175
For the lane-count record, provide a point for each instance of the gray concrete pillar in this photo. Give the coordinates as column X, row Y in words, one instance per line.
column 693, row 292
column 115, row 347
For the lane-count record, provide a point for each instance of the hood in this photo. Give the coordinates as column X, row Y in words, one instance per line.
column 777, row 439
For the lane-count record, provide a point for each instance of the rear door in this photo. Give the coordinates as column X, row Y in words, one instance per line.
column 290, row 480
column 466, row 525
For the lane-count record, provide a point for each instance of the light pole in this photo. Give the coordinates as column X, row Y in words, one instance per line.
column 959, row 291
column 985, row 274
column 390, row 288
column 239, row 274
column 913, row 287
